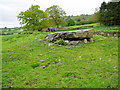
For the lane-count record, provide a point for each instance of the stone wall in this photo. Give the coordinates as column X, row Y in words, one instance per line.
column 108, row 33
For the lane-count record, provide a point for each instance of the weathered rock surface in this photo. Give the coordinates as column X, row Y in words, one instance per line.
column 71, row 35
column 73, row 42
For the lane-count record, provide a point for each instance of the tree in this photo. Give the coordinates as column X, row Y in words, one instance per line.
column 94, row 18
column 56, row 15
column 33, row 18
column 5, row 27
column 110, row 13
column 70, row 22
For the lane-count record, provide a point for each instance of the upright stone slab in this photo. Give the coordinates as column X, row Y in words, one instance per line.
column 71, row 35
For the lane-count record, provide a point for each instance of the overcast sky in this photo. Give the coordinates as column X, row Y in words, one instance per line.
column 9, row 9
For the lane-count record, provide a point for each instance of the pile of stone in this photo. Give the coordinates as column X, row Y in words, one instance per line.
column 72, row 37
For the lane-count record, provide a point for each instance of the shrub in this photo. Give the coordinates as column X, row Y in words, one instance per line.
column 35, row 65
column 84, row 22
column 2, row 33
column 61, row 42
column 9, row 33
column 26, row 32
column 70, row 22
column 6, row 33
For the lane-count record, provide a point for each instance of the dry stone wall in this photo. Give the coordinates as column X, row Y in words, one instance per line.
column 108, row 33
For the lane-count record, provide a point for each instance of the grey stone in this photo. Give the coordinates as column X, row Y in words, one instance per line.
column 108, row 33
column 68, row 47
column 73, row 42
column 80, row 34
column 66, row 41
column 85, row 41
column 73, row 75
column 44, row 66
column 50, row 44
column 40, row 40
column 42, row 60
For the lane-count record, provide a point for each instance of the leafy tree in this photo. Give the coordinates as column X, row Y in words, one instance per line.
column 81, row 19
column 94, row 18
column 33, row 18
column 56, row 15
column 110, row 13
column 70, row 22
column 5, row 27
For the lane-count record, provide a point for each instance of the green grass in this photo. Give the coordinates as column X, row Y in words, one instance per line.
column 91, row 65
column 86, row 25
column 101, row 27
column 107, row 29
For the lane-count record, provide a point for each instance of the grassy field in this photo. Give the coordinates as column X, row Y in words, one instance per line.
column 95, row 26
column 91, row 65
column 86, row 25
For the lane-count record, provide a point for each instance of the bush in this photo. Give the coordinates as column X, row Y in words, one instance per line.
column 61, row 42
column 84, row 22
column 9, row 33
column 2, row 33
column 35, row 65
column 26, row 32
column 6, row 33
column 70, row 22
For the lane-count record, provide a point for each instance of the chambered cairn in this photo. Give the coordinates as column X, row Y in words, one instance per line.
column 72, row 37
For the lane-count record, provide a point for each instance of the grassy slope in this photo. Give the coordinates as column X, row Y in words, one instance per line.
column 92, row 65
column 102, row 27
column 86, row 25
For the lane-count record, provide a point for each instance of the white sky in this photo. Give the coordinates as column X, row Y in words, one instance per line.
column 9, row 9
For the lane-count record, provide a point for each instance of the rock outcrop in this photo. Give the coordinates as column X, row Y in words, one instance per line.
column 71, row 35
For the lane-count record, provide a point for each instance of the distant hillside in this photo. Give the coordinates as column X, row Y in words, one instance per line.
column 80, row 19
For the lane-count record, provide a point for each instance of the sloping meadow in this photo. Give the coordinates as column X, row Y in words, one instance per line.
column 28, row 62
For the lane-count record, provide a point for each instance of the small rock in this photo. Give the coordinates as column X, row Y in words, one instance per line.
column 67, row 47
column 44, row 66
column 85, row 41
column 42, row 60
column 50, row 44
column 40, row 39
column 66, row 41
column 73, row 76
column 54, row 62
column 59, row 59
column 73, row 42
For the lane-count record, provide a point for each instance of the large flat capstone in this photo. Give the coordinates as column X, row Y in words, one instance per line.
column 71, row 35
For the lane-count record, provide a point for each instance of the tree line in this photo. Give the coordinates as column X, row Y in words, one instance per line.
column 110, row 13
column 36, row 19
